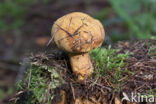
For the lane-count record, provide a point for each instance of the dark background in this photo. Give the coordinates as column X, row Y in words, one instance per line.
column 25, row 27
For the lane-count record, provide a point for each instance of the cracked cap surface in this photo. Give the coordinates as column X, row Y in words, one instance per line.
column 77, row 32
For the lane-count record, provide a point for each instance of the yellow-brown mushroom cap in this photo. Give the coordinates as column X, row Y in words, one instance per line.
column 78, row 32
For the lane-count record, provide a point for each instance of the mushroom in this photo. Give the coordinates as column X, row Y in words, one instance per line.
column 77, row 33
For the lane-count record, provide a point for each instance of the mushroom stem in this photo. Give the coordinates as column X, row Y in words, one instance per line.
column 81, row 65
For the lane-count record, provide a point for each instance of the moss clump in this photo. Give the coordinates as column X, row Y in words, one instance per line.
column 110, row 65
column 38, row 85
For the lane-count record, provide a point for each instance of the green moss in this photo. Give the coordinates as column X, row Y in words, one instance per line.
column 110, row 65
column 40, row 81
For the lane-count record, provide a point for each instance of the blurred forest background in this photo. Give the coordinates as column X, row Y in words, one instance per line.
column 25, row 27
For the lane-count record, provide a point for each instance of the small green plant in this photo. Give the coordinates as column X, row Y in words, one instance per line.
column 38, row 85
column 109, row 65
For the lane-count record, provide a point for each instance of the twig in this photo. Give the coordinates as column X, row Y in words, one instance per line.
column 73, row 92
column 109, row 89
column 29, row 78
column 51, row 39
column 112, row 98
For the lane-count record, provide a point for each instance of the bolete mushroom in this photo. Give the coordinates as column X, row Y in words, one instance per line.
column 77, row 33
